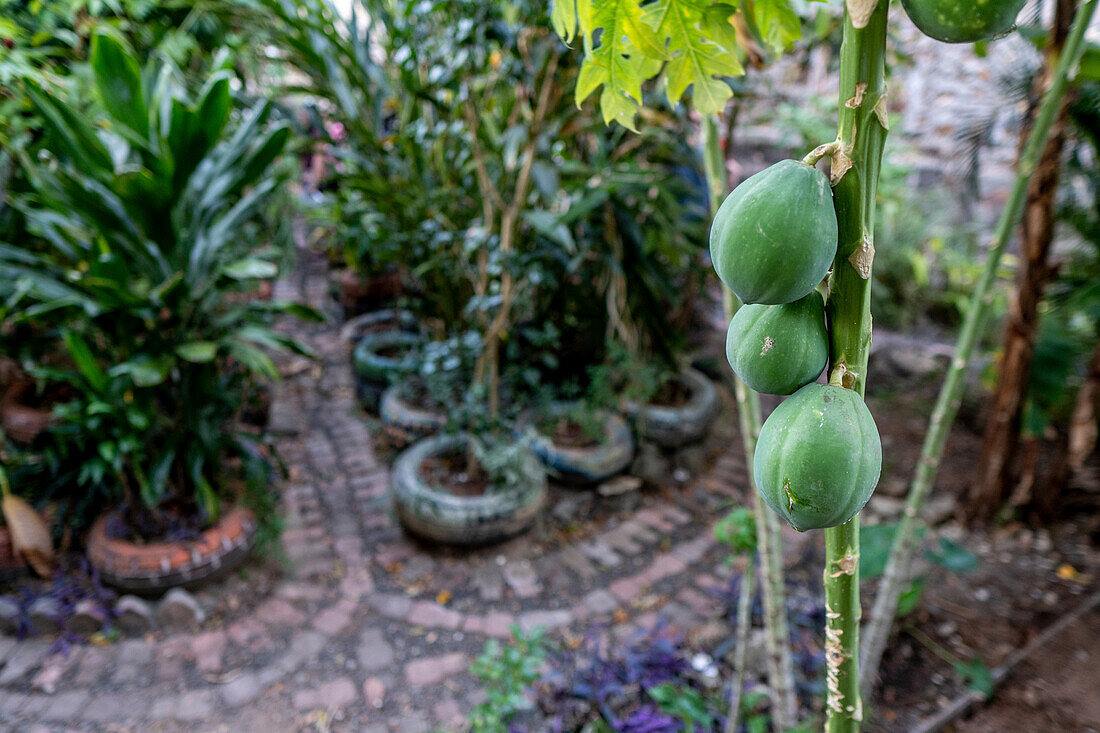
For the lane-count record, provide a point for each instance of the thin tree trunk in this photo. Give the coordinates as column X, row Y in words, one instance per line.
column 947, row 403
column 744, row 623
column 997, row 467
column 768, row 540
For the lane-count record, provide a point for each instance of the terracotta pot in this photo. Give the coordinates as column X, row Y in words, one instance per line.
column 23, row 424
column 358, row 293
column 10, row 562
column 158, row 566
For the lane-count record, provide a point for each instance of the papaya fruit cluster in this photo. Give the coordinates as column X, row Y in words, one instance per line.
column 773, row 240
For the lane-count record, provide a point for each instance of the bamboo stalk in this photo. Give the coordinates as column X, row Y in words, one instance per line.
column 861, row 132
column 769, row 545
column 947, row 404
column 744, row 621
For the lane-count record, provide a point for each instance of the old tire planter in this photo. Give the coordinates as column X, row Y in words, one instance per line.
column 672, row 427
column 378, row 322
column 372, row 333
column 435, row 514
column 406, row 422
column 157, row 566
column 584, row 465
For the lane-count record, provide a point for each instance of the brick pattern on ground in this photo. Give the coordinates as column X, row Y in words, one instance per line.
column 367, row 627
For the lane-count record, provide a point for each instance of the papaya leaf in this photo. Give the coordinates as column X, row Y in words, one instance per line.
column 779, row 26
column 564, row 19
column 701, row 49
column 619, row 63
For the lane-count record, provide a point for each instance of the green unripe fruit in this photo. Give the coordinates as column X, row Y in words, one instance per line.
column 775, row 236
column 818, row 457
column 953, row 21
column 777, row 349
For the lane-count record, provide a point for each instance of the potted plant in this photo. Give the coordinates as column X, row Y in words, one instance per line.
column 467, row 489
column 677, row 409
column 437, row 395
column 141, row 278
column 579, row 442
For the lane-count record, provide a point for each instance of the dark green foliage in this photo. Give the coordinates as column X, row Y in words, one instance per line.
column 146, row 252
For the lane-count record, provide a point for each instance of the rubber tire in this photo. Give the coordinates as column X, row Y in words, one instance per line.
column 584, row 465
column 398, row 320
column 405, row 421
column 673, row 427
column 433, row 514
column 372, row 367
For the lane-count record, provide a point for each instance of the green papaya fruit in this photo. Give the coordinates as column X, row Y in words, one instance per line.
column 777, row 349
column 775, row 235
column 818, row 457
column 953, row 21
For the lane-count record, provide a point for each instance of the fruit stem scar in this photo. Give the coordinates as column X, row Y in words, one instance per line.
column 836, row 377
column 857, row 98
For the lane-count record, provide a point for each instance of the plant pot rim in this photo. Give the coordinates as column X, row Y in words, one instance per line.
column 589, row 464
column 435, row 445
column 160, row 565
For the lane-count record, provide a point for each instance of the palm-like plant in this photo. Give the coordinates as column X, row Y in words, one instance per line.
column 146, row 254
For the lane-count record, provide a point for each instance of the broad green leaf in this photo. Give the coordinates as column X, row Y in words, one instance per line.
column 118, row 78
column 564, row 19
column 85, row 361
column 70, row 132
column 627, row 48
column 198, row 352
column 251, row 268
column 977, row 675
column 691, row 27
column 953, row 557
column 908, row 598
column 145, row 370
column 777, row 23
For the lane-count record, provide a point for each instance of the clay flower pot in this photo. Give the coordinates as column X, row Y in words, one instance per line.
column 10, row 561
column 158, row 566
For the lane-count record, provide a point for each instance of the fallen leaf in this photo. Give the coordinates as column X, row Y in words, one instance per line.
column 29, row 534
column 1068, row 572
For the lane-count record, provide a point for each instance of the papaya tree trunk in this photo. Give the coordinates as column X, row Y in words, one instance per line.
column 997, row 467
column 768, row 540
column 862, row 126
column 947, row 403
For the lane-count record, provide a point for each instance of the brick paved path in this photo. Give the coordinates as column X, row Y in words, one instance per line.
column 369, row 631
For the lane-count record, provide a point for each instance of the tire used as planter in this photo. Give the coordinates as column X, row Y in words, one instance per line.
column 433, row 513
column 404, row 421
column 158, row 566
column 378, row 322
column 588, row 464
column 373, row 333
column 672, row 427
